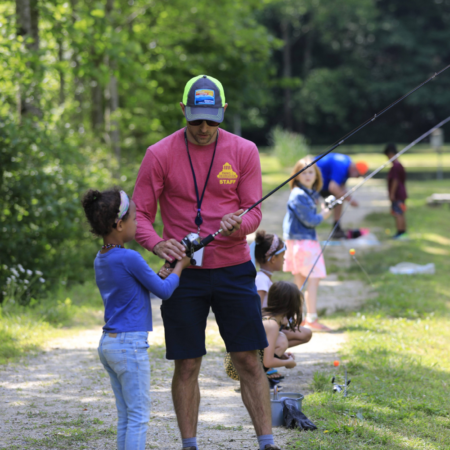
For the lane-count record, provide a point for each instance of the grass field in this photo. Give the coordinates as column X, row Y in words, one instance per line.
column 397, row 352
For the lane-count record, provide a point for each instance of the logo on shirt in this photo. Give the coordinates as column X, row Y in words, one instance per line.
column 227, row 176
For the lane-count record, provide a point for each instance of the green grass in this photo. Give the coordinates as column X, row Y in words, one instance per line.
column 397, row 348
column 25, row 330
column 274, row 174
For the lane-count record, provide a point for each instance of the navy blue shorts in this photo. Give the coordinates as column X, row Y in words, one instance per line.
column 398, row 207
column 232, row 295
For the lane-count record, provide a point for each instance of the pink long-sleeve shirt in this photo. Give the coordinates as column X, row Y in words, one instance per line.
column 234, row 183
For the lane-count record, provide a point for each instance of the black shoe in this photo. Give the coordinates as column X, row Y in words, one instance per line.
column 189, row 448
column 339, row 233
column 271, row 447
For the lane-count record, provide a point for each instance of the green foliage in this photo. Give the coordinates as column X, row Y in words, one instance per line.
column 288, row 147
column 40, row 219
column 321, row 382
column 22, row 285
column 25, row 328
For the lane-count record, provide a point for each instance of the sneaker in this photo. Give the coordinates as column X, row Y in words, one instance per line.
column 317, row 326
column 189, row 448
column 401, row 237
column 271, row 447
column 339, row 233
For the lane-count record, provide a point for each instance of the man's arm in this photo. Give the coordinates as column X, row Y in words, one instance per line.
column 148, row 188
column 250, row 191
column 337, row 190
column 149, row 185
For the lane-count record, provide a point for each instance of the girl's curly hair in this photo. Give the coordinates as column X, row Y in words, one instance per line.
column 101, row 209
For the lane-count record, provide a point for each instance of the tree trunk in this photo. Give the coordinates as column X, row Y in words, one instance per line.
column 307, row 62
column 61, row 72
column 114, row 126
column 27, row 20
column 237, row 129
column 114, row 135
column 34, row 22
column 96, row 105
column 287, row 73
column 23, row 18
column 78, row 86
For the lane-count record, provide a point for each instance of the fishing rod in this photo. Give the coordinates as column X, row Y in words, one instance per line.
column 332, row 203
column 193, row 242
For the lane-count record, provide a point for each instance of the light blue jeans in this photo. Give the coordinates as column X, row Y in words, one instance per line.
column 125, row 358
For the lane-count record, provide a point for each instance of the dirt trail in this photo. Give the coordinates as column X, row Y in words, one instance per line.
column 62, row 399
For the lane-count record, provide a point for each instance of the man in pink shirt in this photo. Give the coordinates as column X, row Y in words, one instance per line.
column 204, row 178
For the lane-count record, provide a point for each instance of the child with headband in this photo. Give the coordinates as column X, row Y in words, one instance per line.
column 269, row 254
column 303, row 248
column 125, row 282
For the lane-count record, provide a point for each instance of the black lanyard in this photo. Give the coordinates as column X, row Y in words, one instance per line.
column 198, row 218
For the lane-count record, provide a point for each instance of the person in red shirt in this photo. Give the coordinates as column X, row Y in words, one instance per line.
column 397, row 191
column 204, row 178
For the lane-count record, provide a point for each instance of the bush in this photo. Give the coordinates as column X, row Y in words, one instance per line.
column 288, row 147
column 41, row 177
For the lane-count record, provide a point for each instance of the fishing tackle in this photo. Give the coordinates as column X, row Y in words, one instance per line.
column 332, row 201
column 208, row 239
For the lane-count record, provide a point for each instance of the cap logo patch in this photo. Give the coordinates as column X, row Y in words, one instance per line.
column 205, row 97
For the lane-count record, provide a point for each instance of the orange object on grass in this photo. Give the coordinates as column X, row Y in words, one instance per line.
column 336, row 363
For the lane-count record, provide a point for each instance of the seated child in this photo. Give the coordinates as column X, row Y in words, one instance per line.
column 125, row 281
column 269, row 254
column 284, row 310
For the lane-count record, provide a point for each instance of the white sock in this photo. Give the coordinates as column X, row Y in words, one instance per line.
column 311, row 317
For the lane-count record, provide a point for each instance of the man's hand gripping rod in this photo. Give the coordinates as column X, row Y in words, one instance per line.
column 332, row 201
column 194, row 246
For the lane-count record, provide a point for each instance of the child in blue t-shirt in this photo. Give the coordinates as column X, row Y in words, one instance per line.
column 125, row 282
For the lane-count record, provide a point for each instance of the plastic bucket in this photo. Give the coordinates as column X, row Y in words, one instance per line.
column 277, row 406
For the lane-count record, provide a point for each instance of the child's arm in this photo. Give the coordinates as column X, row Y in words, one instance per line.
column 262, row 295
column 393, row 190
column 304, row 213
column 166, row 270
column 272, row 333
column 139, row 269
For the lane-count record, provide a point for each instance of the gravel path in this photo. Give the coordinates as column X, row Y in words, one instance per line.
column 62, row 399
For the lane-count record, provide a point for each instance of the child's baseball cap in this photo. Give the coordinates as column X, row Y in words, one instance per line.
column 204, row 99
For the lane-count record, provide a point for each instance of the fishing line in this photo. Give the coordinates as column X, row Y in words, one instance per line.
column 322, row 251
column 338, row 201
column 362, row 268
column 332, row 204
column 211, row 237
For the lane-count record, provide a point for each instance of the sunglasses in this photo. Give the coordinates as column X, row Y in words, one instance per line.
column 210, row 123
column 277, row 252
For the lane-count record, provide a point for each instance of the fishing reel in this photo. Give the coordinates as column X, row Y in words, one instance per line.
column 331, row 201
column 191, row 243
column 340, row 387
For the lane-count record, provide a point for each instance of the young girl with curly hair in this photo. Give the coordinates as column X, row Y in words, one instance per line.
column 125, row 282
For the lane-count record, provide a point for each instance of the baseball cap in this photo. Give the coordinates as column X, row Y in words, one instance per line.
column 362, row 167
column 204, row 99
